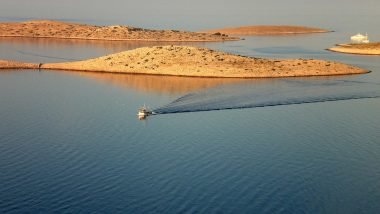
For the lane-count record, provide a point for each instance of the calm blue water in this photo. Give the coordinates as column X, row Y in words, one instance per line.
column 70, row 142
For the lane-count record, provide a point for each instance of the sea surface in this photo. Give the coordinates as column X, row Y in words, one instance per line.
column 71, row 142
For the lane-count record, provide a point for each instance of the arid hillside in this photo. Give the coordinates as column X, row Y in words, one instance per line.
column 63, row 30
column 201, row 62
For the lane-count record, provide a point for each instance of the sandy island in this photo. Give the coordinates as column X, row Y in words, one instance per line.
column 363, row 49
column 267, row 30
column 201, row 62
column 63, row 30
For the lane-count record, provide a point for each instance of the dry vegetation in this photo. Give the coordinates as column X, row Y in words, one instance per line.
column 63, row 30
column 267, row 30
column 200, row 62
column 365, row 49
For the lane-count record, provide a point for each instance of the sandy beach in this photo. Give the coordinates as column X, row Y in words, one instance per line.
column 65, row 30
column 4, row 64
column 360, row 49
column 267, row 30
column 198, row 62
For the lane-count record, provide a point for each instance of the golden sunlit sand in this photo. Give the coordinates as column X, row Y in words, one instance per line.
column 64, row 30
column 4, row 64
column 361, row 49
column 202, row 62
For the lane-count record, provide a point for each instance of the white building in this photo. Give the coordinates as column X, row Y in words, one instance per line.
column 360, row 39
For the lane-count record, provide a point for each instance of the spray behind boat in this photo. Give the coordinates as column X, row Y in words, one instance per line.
column 144, row 112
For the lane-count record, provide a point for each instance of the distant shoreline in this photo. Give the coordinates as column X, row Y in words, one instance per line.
column 65, row 30
column 101, row 39
column 196, row 62
column 358, row 49
column 264, row 30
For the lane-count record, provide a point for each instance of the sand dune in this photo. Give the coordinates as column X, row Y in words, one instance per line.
column 267, row 30
column 63, row 30
column 201, row 62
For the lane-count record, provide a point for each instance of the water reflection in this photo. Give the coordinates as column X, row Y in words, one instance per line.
column 58, row 50
column 155, row 83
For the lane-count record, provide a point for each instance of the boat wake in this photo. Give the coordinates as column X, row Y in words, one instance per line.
column 252, row 94
column 44, row 56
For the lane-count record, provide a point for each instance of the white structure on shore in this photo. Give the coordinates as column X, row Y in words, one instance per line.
column 360, row 39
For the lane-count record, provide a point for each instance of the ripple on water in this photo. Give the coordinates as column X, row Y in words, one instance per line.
column 284, row 92
column 92, row 157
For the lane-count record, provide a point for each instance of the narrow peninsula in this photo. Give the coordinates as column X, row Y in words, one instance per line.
column 262, row 30
column 361, row 49
column 64, row 30
column 4, row 64
column 202, row 62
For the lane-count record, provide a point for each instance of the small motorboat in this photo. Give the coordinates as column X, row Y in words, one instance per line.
column 144, row 112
